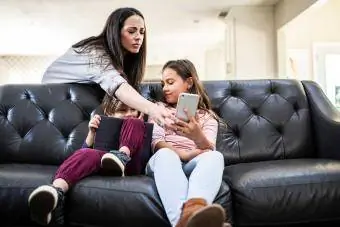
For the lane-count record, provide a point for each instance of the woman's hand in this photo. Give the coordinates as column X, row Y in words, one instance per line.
column 162, row 116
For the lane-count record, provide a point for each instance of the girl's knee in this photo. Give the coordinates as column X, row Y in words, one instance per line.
column 214, row 156
column 167, row 155
column 163, row 158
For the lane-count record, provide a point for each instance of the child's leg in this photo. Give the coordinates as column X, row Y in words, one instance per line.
column 82, row 163
column 45, row 199
column 132, row 135
column 130, row 141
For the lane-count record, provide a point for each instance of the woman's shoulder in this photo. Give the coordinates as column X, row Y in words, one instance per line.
column 96, row 57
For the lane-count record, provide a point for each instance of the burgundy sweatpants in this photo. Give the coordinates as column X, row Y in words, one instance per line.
column 86, row 161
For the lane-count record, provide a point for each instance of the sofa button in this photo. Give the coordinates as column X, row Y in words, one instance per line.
column 279, row 129
column 27, row 96
column 68, row 96
column 295, row 107
column 272, row 90
column 233, row 92
column 255, row 111
column 236, row 132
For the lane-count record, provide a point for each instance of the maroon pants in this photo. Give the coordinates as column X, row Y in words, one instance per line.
column 86, row 161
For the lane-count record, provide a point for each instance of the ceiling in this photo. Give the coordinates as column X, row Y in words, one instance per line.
column 176, row 28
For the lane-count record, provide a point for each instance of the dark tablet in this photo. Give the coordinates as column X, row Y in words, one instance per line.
column 107, row 138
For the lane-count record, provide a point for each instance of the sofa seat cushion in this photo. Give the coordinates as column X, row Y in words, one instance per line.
column 17, row 181
column 122, row 202
column 272, row 192
column 108, row 201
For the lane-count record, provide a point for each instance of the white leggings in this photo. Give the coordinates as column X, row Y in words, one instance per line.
column 178, row 182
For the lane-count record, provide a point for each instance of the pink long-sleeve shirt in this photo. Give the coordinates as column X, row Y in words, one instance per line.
column 208, row 125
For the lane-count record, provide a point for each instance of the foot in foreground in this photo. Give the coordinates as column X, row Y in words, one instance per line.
column 46, row 205
column 115, row 162
column 197, row 213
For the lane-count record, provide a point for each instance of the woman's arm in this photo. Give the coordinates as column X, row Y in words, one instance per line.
column 74, row 67
column 128, row 95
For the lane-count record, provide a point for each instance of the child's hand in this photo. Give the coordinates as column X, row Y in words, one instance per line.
column 94, row 123
column 141, row 116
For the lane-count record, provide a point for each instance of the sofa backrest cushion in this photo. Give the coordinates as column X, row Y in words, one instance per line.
column 266, row 119
column 44, row 124
column 263, row 119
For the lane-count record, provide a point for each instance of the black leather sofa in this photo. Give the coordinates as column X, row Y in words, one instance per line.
column 281, row 152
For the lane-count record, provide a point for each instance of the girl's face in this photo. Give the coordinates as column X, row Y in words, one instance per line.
column 125, row 112
column 132, row 34
column 174, row 85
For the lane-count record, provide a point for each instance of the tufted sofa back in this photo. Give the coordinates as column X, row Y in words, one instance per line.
column 43, row 124
column 267, row 119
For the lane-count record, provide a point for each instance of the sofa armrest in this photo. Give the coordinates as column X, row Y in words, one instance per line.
column 325, row 121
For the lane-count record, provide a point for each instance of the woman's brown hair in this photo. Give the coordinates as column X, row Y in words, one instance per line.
column 112, row 55
column 131, row 66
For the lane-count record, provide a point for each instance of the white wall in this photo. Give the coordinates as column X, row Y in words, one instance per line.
column 215, row 63
column 23, row 69
column 253, row 52
column 210, row 65
column 3, row 71
column 318, row 24
column 30, row 69
column 153, row 72
column 286, row 10
column 254, row 42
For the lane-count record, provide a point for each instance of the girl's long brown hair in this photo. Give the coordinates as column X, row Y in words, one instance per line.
column 186, row 69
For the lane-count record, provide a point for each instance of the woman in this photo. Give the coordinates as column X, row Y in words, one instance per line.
column 46, row 202
column 115, row 59
column 186, row 167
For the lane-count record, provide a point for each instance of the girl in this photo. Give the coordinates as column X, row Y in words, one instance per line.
column 46, row 202
column 186, row 167
column 115, row 59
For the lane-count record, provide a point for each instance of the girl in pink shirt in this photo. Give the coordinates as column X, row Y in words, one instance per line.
column 186, row 167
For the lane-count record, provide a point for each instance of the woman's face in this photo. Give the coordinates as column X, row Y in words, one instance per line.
column 132, row 33
column 173, row 85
